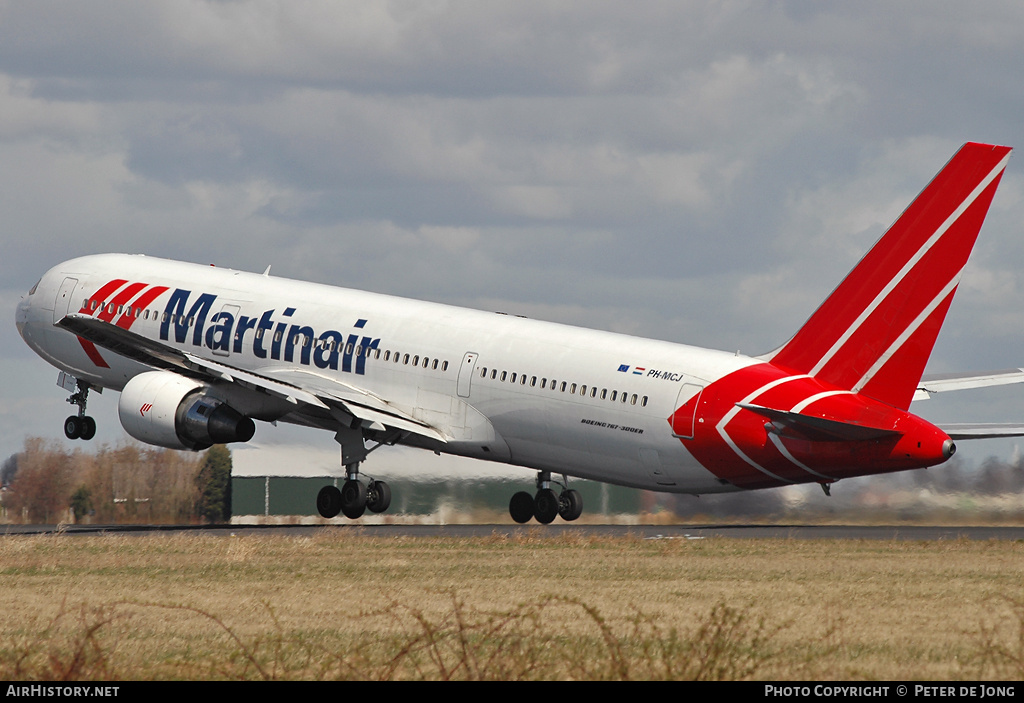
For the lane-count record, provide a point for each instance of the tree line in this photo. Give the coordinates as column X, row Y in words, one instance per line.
column 47, row 484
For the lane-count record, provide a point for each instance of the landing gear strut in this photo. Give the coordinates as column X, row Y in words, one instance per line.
column 80, row 426
column 354, row 497
column 545, row 505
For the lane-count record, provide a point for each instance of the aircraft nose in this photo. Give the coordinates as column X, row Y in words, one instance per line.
column 21, row 315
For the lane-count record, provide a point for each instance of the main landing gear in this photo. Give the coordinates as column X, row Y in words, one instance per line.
column 80, row 426
column 354, row 497
column 545, row 505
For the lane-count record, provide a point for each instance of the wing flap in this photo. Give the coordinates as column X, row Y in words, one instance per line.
column 359, row 402
column 291, row 393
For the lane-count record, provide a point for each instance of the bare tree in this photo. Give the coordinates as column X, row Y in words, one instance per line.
column 127, row 483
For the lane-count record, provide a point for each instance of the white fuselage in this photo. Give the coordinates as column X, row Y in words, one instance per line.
column 552, row 397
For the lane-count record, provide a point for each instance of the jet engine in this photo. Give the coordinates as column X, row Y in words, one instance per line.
column 168, row 410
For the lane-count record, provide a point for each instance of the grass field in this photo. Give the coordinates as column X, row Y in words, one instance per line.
column 338, row 605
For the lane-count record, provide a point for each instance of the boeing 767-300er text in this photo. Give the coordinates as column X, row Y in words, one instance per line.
column 198, row 353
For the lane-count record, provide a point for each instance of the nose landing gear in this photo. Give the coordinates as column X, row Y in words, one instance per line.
column 80, row 426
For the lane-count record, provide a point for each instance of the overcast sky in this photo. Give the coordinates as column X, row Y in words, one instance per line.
column 697, row 172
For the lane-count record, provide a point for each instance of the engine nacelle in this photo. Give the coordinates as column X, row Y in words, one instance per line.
column 168, row 410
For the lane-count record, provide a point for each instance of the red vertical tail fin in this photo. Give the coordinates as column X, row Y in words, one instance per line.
column 874, row 333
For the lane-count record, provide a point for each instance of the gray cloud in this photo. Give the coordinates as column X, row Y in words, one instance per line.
column 696, row 173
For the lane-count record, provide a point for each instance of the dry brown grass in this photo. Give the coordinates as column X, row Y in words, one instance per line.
column 338, row 605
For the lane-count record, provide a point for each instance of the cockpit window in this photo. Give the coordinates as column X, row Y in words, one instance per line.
column 32, row 290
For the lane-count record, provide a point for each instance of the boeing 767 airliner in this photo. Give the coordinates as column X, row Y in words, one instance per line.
column 199, row 353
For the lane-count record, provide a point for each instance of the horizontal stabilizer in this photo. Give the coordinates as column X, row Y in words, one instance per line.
column 819, row 429
column 982, row 431
column 963, row 381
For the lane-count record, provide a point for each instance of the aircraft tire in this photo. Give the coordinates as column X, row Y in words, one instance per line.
column 72, row 427
column 521, row 507
column 88, row 428
column 378, row 496
column 570, row 505
column 353, row 499
column 328, row 501
column 545, row 506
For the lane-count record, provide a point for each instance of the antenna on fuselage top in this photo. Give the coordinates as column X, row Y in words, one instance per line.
column 267, row 272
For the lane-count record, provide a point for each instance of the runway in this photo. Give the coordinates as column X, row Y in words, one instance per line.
column 691, row 532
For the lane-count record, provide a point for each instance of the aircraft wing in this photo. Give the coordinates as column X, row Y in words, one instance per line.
column 297, row 387
column 957, row 382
